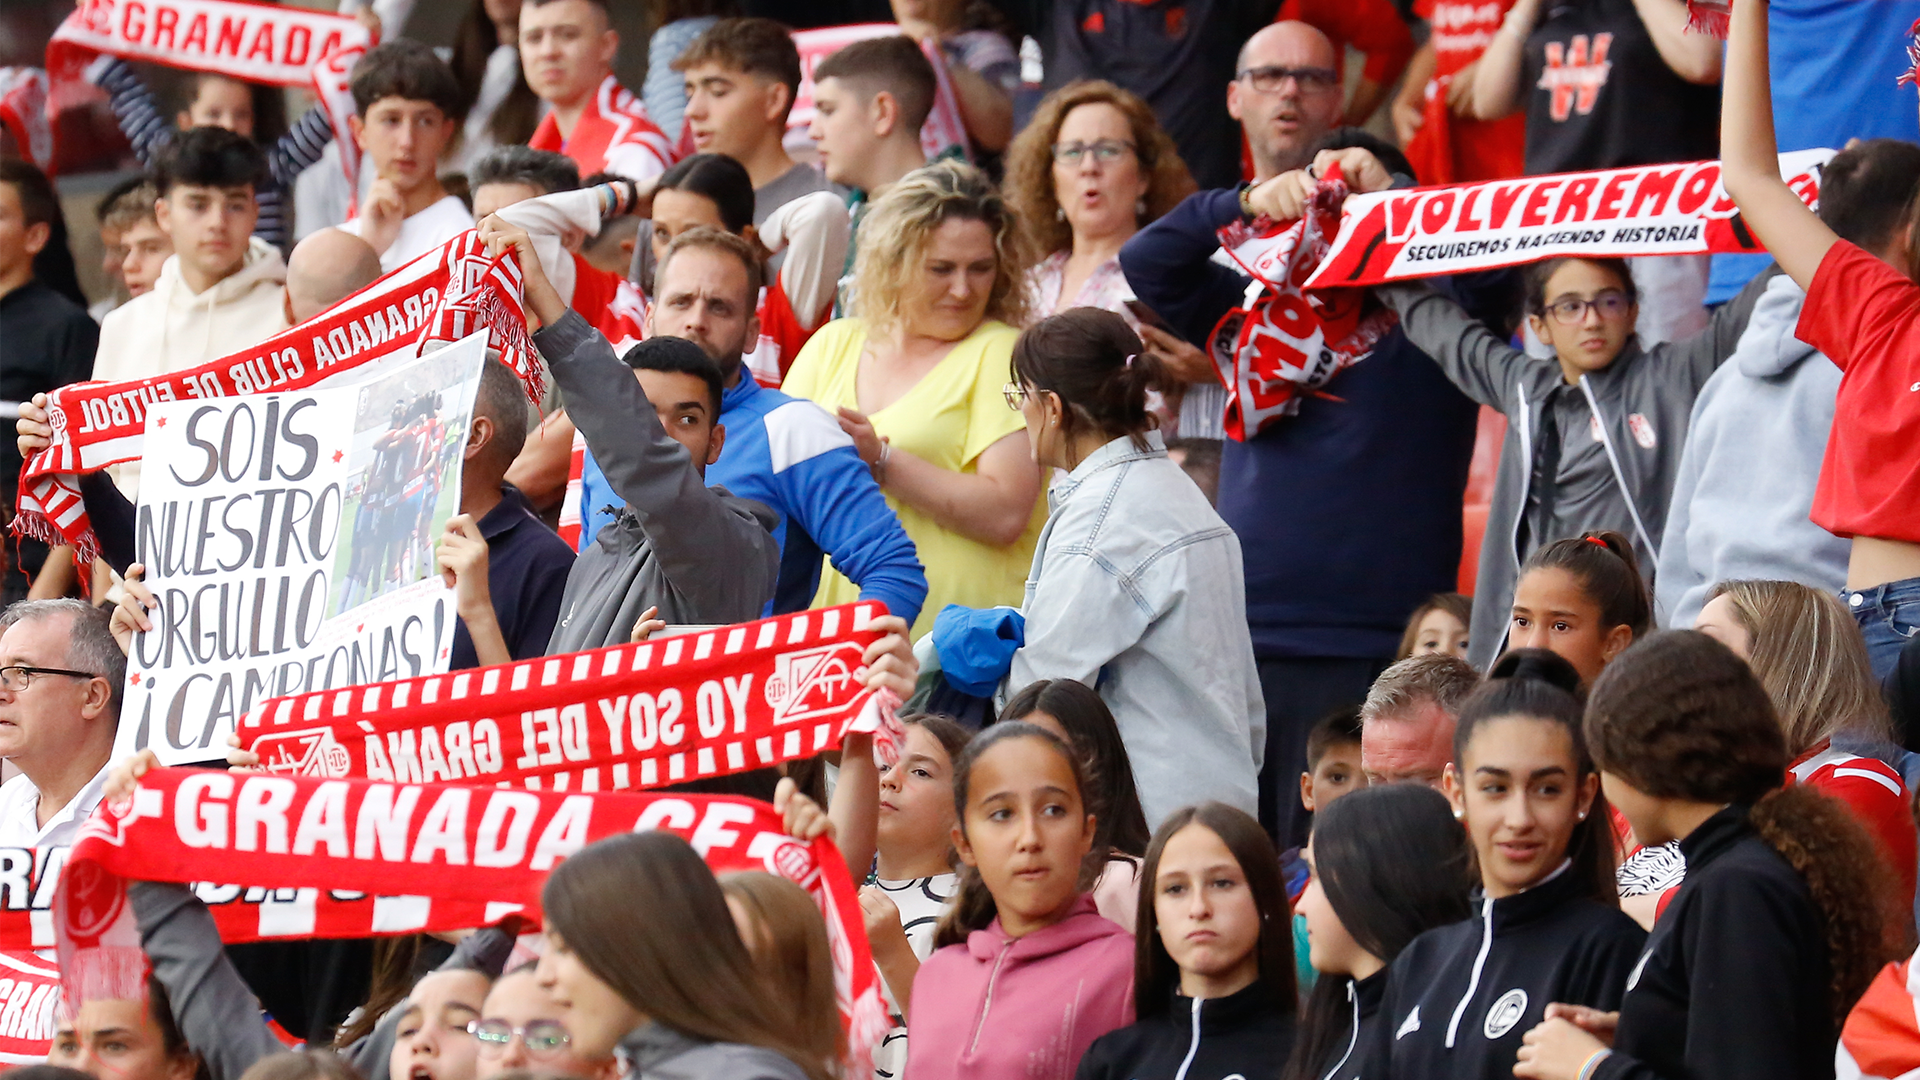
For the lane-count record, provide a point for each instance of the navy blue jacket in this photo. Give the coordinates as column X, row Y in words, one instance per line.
column 1348, row 513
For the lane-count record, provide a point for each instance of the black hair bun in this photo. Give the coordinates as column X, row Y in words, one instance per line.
column 1539, row 665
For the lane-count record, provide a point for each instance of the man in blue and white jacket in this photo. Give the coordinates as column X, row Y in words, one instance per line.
column 781, row 451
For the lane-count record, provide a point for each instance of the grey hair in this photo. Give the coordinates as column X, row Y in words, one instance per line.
column 90, row 644
column 518, row 164
column 1444, row 680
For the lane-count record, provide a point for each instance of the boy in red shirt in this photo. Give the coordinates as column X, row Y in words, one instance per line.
column 1863, row 311
column 567, row 49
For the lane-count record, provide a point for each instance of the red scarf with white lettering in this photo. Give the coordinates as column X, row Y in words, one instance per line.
column 682, row 708
column 1285, row 342
column 443, row 295
column 262, row 43
column 409, row 858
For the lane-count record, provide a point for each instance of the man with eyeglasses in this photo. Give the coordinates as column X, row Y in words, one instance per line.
column 1286, row 95
column 1175, row 54
column 60, row 679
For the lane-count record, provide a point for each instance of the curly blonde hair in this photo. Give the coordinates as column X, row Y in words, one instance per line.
column 1030, row 161
column 895, row 234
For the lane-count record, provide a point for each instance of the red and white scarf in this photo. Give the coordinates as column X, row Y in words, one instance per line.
column 262, row 43
column 360, row 857
column 441, row 296
column 29, row 996
column 942, row 133
column 24, row 113
column 1286, row 342
column 663, row 712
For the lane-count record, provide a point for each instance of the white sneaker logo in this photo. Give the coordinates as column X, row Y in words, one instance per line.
column 1506, row 1012
column 1408, row 1026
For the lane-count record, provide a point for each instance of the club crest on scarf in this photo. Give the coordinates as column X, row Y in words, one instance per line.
column 1286, row 342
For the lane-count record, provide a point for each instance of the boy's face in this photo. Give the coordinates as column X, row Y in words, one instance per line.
column 732, row 112
column 842, row 128
column 147, row 247
column 222, row 103
column 19, row 241
column 566, row 48
column 209, row 226
column 1337, row 773
column 404, row 137
column 684, row 405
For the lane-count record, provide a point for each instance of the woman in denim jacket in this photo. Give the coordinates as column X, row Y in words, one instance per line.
column 1137, row 587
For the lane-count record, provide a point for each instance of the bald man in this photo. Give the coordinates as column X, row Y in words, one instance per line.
column 1286, row 94
column 326, row 268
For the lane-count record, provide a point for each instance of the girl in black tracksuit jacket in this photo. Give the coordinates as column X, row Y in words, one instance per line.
column 1547, row 925
column 1389, row 863
column 1785, row 915
column 1211, row 1011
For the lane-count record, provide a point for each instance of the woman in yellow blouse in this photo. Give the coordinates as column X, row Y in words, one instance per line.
column 917, row 376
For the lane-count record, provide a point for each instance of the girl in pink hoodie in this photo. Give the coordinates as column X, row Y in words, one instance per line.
column 1028, row 974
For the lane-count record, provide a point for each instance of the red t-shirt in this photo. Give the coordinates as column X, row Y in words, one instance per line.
column 1865, row 316
column 614, row 134
column 1371, row 26
column 1451, row 149
column 1877, row 797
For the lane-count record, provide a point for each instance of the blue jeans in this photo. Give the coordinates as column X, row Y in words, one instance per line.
column 1889, row 616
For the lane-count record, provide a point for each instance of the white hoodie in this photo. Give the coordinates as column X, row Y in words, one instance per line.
column 173, row 328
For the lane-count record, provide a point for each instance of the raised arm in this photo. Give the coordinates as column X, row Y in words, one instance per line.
column 1169, row 264
column 815, row 231
column 1750, row 159
column 300, row 147
column 1484, row 367
column 1497, row 74
column 214, row 1009
column 133, row 106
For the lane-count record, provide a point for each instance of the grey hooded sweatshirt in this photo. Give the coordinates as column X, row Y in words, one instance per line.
column 654, row 1051
column 1601, row 454
column 697, row 553
column 1745, row 488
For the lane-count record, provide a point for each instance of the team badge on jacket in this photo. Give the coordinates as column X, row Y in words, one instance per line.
column 1505, row 1013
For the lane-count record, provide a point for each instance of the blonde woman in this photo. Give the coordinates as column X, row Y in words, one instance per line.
column 916, row 378
column 1807, row 652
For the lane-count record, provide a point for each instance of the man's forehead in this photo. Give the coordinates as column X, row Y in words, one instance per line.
column 702, row 272
column 34, row 639
column 1288, row 45
column 562, row 13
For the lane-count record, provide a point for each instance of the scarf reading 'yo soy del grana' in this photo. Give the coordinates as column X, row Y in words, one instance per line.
column 443, row 295
column 441, row 857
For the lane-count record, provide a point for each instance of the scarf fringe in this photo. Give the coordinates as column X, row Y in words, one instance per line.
column 107, row 972
column 1709, row 17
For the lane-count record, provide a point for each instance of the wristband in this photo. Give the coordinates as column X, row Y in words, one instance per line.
column 880, row 464
column 1593, row 1064
column 1246, row 208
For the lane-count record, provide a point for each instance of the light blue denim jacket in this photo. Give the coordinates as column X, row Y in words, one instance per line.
column 1137, row 590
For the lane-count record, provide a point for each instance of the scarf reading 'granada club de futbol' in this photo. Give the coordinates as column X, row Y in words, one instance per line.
column 444, row 856
column 689, row 707
column 443, row 295
column 261, row 43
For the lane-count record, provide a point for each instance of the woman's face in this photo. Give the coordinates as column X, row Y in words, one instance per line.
column 1440, row 632
column 916, row 800
column 1551, row 610
column 595, row 1013
column 519, row 1004
column 1026, row 831
column 116, row 1039
column 947, row 299
column 431, row 1042
column 1719, row 621
column 1208, row 919
column 1519, row 788
column 1588, row 317
column 674, row 212
column 1330, row 948
column 1099, row 191
column 223, row 103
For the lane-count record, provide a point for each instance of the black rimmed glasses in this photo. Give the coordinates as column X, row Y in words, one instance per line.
column 1572, row 310
column 1270, row 79
column 542, row 1038
column 1104, row 151
column 17, row 677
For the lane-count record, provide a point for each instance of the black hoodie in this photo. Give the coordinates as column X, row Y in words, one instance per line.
column 1460, row 998
column 1349, row 1052
column 1197, row 1039
column 1735, row 981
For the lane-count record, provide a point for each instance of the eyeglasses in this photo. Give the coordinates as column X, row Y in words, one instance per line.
column 1572, row 310
column 1015, row 394
column 542, row 1038
column 1312, row 80
column 18, row 677
column 1104, row 151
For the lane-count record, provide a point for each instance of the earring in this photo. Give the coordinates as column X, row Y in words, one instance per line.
column 1059, row 214
column 1583, row 815
column 1459, row 814
column 1140, row 208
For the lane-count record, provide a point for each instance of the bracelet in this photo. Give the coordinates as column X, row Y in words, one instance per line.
column 879, row 465
column 1246, row 208
column 1593, row 1064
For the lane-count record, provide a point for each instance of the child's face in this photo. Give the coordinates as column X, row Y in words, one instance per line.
column 1440, row 632
column 1551, row 610
column 1337, row 773
column 404, row 137
column 1026, row 831
column 1520, row 793
column 147, row 247
column 842, row 130
column 732, row 112
column 1588, row 317
column 916, row 799
column 1208, row 919
column 209, row 226
column 222, row 103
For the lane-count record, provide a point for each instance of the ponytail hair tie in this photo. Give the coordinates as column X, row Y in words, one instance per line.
column 1128, row 362
column 1598, row 541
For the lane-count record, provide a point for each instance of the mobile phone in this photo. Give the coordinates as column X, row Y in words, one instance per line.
column 1149, row 317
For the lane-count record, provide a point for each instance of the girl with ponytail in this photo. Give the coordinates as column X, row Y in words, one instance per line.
column 1137, row 583
column 1547, row 925
column 1786, row 913
column 1582, row 597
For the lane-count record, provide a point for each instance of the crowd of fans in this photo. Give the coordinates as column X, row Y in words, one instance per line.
column 1217, row 762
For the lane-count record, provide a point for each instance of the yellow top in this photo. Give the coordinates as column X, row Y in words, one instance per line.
column 949, row 418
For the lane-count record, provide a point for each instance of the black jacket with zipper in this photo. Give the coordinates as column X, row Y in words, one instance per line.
column 1735, row 981
column 1460, row 998
column 1348, row 1053
column 1197, row 1039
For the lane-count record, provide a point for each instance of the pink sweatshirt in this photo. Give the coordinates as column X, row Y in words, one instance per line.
column 1002, row 1008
